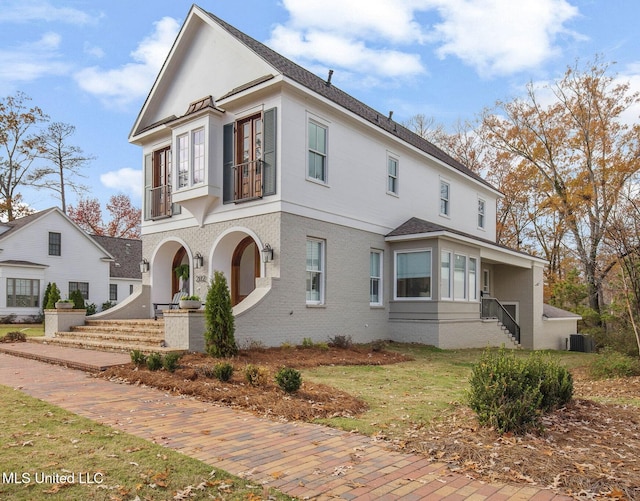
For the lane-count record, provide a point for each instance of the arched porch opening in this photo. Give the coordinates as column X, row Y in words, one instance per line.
column 164, row 281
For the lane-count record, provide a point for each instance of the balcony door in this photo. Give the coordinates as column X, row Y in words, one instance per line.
column 248, row 173
column 161, row 183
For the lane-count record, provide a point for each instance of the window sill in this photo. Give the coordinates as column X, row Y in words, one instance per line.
column 376, row 306
column 319, row 305
column 393, row 194
column 319, row 182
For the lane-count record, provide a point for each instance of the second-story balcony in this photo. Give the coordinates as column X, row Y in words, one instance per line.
column 247, row 181
column 159, row 202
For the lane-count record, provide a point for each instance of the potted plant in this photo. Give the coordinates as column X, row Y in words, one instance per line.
column 182, row 272
column 190, row 303
column 64, row 304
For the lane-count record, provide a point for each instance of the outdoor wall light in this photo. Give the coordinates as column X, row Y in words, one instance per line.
column 198, row 260
column 144, row 266
column 267, row 253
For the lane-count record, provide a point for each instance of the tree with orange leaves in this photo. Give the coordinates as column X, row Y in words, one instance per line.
column 125, row 218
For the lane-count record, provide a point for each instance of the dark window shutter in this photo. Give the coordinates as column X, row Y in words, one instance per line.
column 269, row 155
column 227, row 163
column 148, row 181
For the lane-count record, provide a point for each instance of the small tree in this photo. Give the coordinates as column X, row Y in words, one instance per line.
column 45, row 298
column 53, row 297
column 219, row 334
column 78, row 300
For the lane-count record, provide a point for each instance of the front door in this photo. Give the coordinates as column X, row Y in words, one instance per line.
column 245, row 268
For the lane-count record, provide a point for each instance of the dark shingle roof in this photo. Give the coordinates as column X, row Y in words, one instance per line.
column 417, row 226
column 16, row 224
column 316, row 84
column 127, row 254
column 549, row 311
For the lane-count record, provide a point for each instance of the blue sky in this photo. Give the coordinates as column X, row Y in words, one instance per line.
column 91, row 63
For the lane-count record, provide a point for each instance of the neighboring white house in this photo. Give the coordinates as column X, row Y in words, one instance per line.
column 48, row 247
column 326, row 216
column 124, row 271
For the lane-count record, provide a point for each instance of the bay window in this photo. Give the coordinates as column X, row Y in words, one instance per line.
column 23, row 293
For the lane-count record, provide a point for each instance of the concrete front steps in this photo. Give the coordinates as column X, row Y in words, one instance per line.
column 113, row 335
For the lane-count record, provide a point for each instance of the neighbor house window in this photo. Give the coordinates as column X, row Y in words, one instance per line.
column 83, row 287
column 481, row 209
column 392, row 175
column 317, row 168
column 413, row 274
column 444, row 198
column 459, row 277
column 23, row 293
column 130, row 289
column 197, row 141
column 183, row 161
column 113, row 292
column 315, row 271
column 375, row 280
column 445, row 275
column 55, row 244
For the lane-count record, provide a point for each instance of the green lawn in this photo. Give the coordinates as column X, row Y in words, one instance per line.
column 30, row 330
column 49, row 453
column 411, row 393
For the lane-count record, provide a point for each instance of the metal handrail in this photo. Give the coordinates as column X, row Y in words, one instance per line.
column 492, row 308
column 160, row 201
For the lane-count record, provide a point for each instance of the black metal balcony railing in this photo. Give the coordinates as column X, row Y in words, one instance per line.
column 247, row 179
column 492, row 308
column 159, row 201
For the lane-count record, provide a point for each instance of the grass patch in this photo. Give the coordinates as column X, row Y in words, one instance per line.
column 30, row 330
column 416, row 393
column 41, row 446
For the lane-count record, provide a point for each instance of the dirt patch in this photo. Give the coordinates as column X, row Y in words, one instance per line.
column 587, row 450
column 312, row 401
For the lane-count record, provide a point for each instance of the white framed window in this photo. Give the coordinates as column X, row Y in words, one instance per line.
column 445, row 195
column 392, row 175
column 83, row 287
column 182, row 151
column 315, row 271
column 413, row 274
column 375, row 280
column 459, row 277
column 23, row 293
column 481, row 213
column 197, row 146
column 317, row 144
column 473, row 279
column 445, row 275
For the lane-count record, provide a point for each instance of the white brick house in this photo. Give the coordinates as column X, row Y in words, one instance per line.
column 374, row 232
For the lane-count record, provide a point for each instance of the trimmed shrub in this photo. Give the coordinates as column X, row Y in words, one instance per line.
column 106, row 305
column 53, row 297
column 511, row 394
column 223, row 371
column 77, row 299
column 170, row 361
column 91, row 308
column 341, row 341
column 289, row 379
column 154, row 361
column 138, row 358
column 307, row 342
column 45, row 297
column 613, row 364
column 219, row 334
column 254, row 375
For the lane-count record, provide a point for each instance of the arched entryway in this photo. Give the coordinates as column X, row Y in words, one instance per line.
column 245, row 268
column 179, row 259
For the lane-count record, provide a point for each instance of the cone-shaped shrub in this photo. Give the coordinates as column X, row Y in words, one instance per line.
column 219, row 335
column 53, row 297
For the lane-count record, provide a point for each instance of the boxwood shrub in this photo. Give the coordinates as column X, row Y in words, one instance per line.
column 511, row 393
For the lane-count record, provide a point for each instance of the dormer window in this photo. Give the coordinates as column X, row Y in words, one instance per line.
column 190, row 158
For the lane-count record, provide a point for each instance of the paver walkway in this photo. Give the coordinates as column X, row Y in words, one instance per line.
column 303, row 460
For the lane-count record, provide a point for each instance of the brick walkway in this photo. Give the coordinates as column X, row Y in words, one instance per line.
column 303, row 460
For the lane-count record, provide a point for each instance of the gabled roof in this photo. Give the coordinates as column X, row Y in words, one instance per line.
column 324, row 88
column 13, row 227
column 127, row 254
column 315, row 84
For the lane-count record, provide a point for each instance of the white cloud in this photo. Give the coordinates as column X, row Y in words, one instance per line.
column 499, row 37
column 121, row 86
column 30, row 61
column 355, row 35
column 385, row 38
column 23, row 11
column 125, row 180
